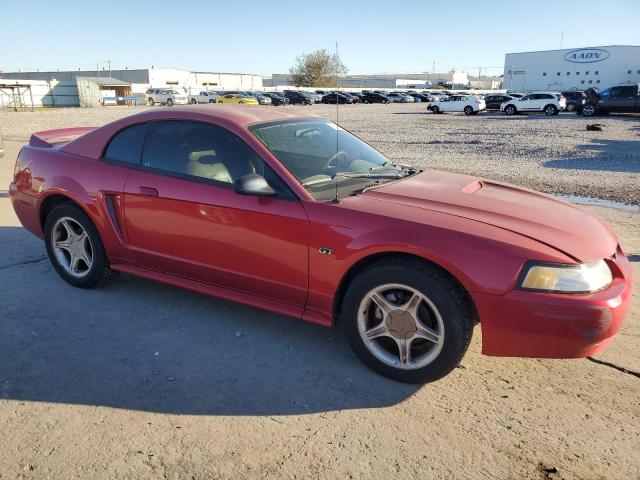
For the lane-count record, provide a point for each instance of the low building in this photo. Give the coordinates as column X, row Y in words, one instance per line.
column 452, row 79
column 572, row 68
column 486, row 82
column 61, row 86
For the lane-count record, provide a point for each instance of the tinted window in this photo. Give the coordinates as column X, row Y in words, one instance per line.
column 126, row 145
column 204, row 151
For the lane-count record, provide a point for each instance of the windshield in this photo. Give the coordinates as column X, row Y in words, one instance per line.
column 320, row 155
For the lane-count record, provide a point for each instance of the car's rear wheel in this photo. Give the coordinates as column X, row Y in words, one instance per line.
column 468, row 110
column 150, row 102
column 589, row 110
column 212, row 101
column 571, row 107
column 435, row 109
column 75, row 248
column 169, row 102
column 550, row 110
column 193, row 101
column 510, row 110
column 407, row 320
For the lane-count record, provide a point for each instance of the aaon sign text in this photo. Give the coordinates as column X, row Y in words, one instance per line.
column 586, row 55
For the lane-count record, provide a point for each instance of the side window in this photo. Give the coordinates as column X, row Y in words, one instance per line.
column 203, row 151
column 616, row 92
column 628, row 91
column 527, row 97
column 126, row 145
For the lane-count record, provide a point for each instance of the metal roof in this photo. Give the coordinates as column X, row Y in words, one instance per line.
column 105, row 81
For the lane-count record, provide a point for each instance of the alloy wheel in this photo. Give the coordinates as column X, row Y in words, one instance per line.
column 400, row 326
column 72, row 247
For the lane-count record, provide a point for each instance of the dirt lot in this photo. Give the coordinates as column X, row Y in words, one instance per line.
column 140, row 380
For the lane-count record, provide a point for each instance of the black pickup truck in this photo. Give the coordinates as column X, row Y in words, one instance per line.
column 622, row 98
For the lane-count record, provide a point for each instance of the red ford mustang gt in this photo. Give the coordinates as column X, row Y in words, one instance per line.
column 296, row 215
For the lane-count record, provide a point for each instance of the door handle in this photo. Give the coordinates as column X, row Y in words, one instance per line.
column 149, row 191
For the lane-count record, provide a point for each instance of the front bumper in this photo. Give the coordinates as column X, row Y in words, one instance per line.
column 551, row 325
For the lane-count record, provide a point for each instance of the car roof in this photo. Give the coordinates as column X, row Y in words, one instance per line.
column 91, row 144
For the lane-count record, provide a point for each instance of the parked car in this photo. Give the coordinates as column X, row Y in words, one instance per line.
column 166, row 96
column 493, row 102
column 621, row 98
column 416, row 97
column 469, row 104
column 183, row 197
column 262, row 98
column 371, row 97
column 204, row 97
column 546, row 102
column 298, row 98
column 573, row 99
column 238, row 98
column 277, row 99
column 337, row 98
column 397, row 97
column 353, row 96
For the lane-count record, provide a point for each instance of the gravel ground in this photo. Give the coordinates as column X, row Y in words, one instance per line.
column 555, row 155
column 141, row 380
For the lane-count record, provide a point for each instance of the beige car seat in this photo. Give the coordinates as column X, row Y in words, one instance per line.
column 205, row 164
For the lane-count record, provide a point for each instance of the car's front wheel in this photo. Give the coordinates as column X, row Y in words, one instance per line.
column 193, row 101
column 407, row 320
column 75, row 248
column 169, row 102
column 150, row 102
column 589, row 110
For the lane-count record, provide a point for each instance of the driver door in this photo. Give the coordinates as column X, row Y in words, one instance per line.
column 184, row 218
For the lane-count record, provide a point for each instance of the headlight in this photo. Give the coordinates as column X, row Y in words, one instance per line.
column 582, row 278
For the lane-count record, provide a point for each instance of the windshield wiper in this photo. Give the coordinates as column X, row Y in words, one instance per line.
column 373, row 173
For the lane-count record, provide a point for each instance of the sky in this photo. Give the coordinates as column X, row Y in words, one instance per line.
column 265, row 37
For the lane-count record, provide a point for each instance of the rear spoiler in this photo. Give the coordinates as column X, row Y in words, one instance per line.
column 49, row 138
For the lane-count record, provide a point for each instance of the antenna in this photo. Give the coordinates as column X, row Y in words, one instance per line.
column 336, row 199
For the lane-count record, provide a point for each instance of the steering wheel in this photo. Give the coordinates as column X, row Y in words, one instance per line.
column 334, row 158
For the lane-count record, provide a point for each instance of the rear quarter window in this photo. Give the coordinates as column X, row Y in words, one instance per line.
column 126, row 145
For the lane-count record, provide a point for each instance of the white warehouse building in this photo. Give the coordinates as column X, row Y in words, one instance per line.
column 59, row 88
column 572, row 68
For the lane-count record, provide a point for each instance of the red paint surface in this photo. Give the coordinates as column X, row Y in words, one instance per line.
column 264, row 251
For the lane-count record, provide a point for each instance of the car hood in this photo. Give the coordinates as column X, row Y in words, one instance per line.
column 543, row 218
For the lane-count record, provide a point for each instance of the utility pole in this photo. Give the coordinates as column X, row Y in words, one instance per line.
column 97, row 70
column 109, row 63
column 561, row 39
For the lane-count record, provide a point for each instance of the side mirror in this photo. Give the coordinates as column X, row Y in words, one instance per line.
column 253, row 184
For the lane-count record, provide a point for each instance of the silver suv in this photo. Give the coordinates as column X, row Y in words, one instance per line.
column 165, row 96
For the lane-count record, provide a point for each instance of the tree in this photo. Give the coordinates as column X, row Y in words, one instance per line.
column 317, row 69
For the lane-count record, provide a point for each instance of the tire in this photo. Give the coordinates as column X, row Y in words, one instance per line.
column 589, row 110
column 510, row 110
column 212, row 101
column 435, row 109
column 193, row 101
column 468, row 110
column 99, row 271
column 550, row 110
column 444, row 309
column 571, row 107
column 169, row 102
column 150, row 102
